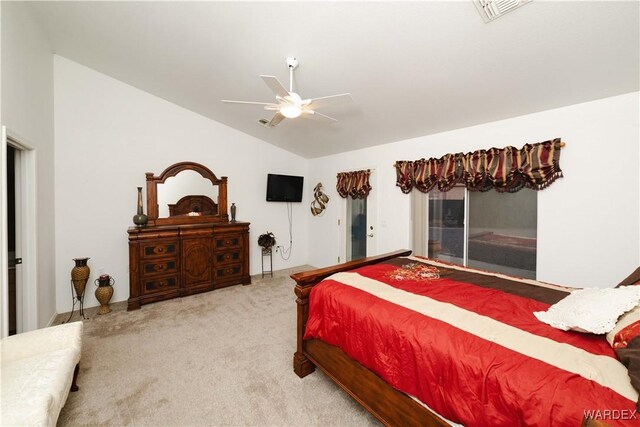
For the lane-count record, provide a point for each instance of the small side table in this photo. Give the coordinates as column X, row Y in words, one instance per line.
column 267, row 252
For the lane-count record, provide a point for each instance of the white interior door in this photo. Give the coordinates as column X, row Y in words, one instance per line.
column 4, row 243
column 25, row 235
column 15, row 258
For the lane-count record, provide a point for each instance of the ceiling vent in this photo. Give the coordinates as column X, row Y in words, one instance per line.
column 265, row 123
column 493, row 9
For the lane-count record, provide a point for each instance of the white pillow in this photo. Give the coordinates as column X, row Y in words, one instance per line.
column 591, row 310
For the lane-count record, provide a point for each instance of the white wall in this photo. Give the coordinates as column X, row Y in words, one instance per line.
column 588, row 221
column 27, row 111
column 108, row 134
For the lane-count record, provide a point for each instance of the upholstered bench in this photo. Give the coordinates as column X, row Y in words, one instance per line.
column 38, row 369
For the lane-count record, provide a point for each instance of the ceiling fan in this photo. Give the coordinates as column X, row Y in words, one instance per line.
column 289, row 104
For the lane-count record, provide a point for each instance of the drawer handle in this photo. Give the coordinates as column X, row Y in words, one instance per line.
column 160, row 249
column 227, row 242
column 227, row 256
column 161, row 267
column 162, row 284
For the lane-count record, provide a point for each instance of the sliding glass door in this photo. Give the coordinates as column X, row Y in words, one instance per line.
column 503, row 232
column 446, row 225
column 490, row 231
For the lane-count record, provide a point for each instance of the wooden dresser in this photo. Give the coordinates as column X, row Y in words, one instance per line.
column 177, row 260
column 195, row 249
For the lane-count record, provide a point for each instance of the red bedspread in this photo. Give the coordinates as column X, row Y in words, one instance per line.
column 468, row 346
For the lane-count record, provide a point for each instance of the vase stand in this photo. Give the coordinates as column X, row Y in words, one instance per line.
column 80, row 301
column 267, row 252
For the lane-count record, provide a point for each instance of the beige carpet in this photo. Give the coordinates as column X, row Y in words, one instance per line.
column 218, row 358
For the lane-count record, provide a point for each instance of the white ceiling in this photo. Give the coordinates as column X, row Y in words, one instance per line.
column 413, row 68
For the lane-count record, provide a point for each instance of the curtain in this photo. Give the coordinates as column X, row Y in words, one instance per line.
column 508, row 169
column 354, row 184
column 419, row 223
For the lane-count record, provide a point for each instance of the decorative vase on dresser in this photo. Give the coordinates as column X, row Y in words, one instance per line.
column 233, row 212
column 140, row 219
column 192, row 247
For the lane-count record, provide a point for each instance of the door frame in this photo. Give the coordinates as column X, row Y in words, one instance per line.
column 372, row 218
column 26, row 234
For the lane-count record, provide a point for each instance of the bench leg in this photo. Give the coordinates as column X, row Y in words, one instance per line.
column 74, row 385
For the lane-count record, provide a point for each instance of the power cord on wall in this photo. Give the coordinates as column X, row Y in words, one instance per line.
column 285, row 254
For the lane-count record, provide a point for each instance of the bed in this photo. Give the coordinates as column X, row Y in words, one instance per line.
column 481, row 358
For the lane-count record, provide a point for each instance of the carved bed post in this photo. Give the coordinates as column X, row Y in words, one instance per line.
column 302, row 366
column 305, row 281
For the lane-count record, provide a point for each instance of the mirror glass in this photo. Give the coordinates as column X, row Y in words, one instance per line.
column 186, row 183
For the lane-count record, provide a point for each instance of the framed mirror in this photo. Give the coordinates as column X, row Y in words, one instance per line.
column 186, row 192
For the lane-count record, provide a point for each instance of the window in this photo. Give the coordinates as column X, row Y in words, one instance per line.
column 490, row 231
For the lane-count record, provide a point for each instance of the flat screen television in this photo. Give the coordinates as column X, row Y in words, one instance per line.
column 284, row 188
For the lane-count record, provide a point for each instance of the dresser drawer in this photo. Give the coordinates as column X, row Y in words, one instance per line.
column 227, row 257
column 154, row 267
column 227, row 242
column 228, row 272
column 160, row 284
column 159, row 249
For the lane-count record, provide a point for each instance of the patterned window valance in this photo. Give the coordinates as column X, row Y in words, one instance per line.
column 354, row 184
column 508, row 169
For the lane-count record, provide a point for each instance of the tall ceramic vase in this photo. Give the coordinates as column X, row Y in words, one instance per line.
column 140, row 219
column 104, row 292
column 79, row 276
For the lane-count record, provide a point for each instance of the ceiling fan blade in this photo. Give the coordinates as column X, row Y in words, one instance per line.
column 277, row 118
column 328, row 100
column 248, row 102
column 275, row 85
column 316, row 114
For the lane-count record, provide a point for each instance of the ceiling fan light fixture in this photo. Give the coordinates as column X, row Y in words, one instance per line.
column 290, row 111
column 290, row 105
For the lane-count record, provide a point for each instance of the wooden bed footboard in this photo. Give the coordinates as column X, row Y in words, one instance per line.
column 390, row 406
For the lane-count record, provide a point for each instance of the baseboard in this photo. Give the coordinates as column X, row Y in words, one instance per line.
column 53, row 318
column 285, row 271
column 91, row 311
